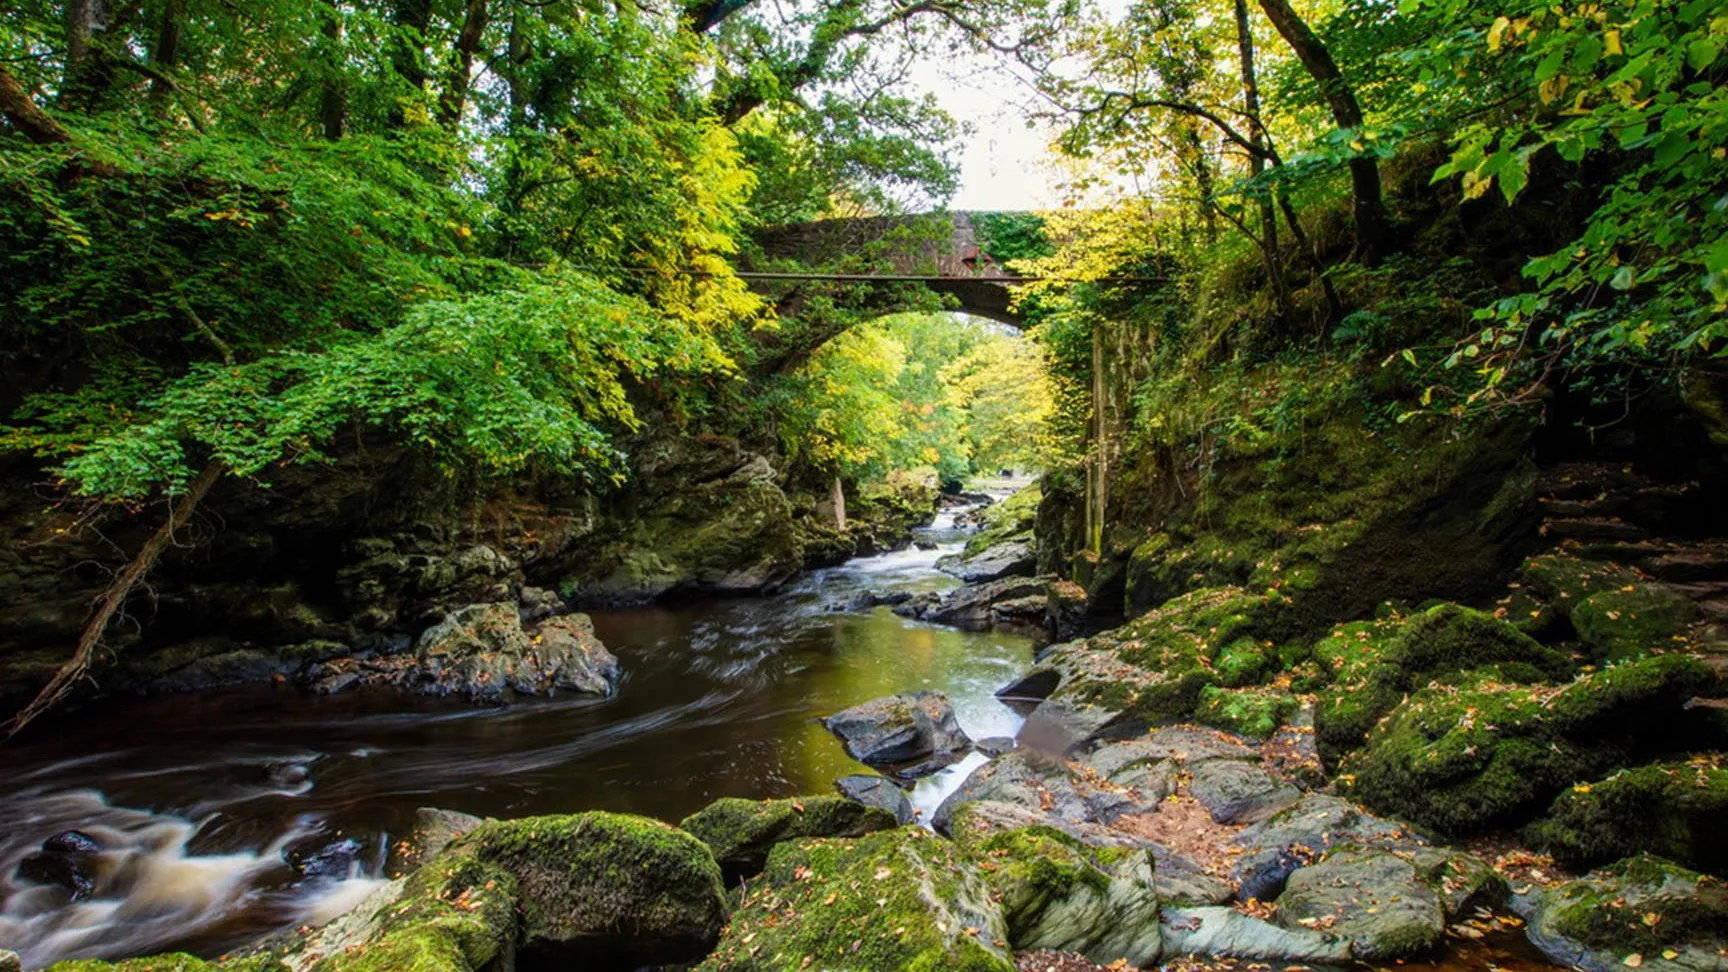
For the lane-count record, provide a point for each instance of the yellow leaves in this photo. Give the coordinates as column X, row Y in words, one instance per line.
column 1611, row 42
column 1581, row 788
column 1551, row 90
column 1497, row 33
column 1476, row 185
column 1634, row 961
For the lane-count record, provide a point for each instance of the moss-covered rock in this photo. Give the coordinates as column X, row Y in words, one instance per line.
column 1674, row 810
column 1614, row 610
column 1484, row 750
column 1672, row 919
column 1152, row 670
column 611, row 890
column 1253, row 712
column 1057, row 893
column 740, row 833
column 898, row 899
column 1375, row 898
column 172, row 962
column 1011, row 520
column 1375, row 664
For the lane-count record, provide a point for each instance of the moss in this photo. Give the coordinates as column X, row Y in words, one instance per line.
column 1610, row 909
column 1630, row 696
column 1674, row 810
column 900, row 899
column 1242, row 662
column 584, row 876
column 1613, row 609
column 1011, row 519
column 1253, row 712
column 172, row 962
column 1377, row 663
column 1458, row 758
column 741, row 832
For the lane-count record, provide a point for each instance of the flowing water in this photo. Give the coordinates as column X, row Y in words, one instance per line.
column 197, row 799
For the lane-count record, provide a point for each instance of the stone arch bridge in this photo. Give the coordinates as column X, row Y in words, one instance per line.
column 882, row 261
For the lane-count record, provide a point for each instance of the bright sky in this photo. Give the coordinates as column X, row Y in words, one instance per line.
column 1002, row 165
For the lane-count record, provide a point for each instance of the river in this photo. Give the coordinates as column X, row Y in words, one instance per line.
column 198, row 798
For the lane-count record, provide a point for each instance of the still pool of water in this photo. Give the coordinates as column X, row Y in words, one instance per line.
column 196, row 797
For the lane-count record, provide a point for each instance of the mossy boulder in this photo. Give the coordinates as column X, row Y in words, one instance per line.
column 1483, row 750
column 1614, row 610
column 1375, row 898
column 1059, row 894
column 482, row 652
column 608, row 890
column 900, row 729
column 1152, row 670
column 1253, row 712
column 898, row 899
column 1674, row 810
column 1672, row 919
column 1375, row 664
column 1010, row 521
column 740, row 833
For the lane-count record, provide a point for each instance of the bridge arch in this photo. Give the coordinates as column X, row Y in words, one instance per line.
column 940, row 251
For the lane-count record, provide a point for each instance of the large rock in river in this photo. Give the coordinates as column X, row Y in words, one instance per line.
column 1671, row 919
column 1012, row 558
column 483, row 652
column 900, row 729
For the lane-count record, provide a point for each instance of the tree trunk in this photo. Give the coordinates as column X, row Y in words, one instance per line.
column 167, row 52
column 81, row 81
column 22, row 113
column 333, row 99
column 455, row 94
column 1367, row 208
column 114, row 597
column 839, row 506
column 412, row 19
column 1257, row 159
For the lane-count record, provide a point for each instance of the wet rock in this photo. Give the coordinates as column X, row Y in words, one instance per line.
column 1374, row 898
column 1598, row 922
column 899, row 729
column 1023, row 778
column 73, row 872
column 740, row 833
column 918, row 605
column 1067, row 606
column 333, row 859
column 482, row 652
column 10, row 962
column 924, row 544
column 1276, row 847
column 1236, row 792
column 973, row 607
column 1029, row 690
column 898, row 899
column 433, row 830
column 1226, row 932
column 537, row 603
column 1187, row 744
column 865, row 600
column 876, row 791
column 333, row 684
column 1060, row 895
column 1013, row 558
column 71, row 842
column 994, row 746
column 602, row 890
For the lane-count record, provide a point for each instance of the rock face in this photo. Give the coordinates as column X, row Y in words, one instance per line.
column 1057, row 894
column 901, row 899
column 1275, row 848
column 1008, row 559
column 1598, row 922
column 1371, row 897
column 434, row 829
column 901, row 730
column 704, row 514
column 878, row 792
column 978, row 607
column 1224, row 931
column 740, row 833
column 482, row 652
